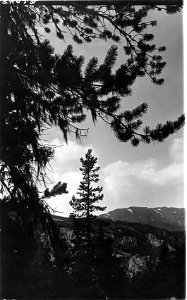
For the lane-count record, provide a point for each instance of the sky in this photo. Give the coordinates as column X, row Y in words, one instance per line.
column 147, row 175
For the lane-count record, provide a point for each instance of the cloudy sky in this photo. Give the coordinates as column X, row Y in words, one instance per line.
column 149, row 175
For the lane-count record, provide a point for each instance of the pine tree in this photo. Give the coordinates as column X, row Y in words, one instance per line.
column 89, row 194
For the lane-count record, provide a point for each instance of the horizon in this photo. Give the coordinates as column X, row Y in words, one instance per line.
column 103, row 213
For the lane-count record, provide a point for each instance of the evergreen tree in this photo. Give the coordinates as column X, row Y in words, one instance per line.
column 84, row 250
column 89, row 194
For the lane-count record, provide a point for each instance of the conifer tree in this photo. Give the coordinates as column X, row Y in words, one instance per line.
column 89, row 194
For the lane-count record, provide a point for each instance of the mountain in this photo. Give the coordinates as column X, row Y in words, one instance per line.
column 168, row 218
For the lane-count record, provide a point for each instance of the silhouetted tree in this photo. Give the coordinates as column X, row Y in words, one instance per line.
column 89, row 194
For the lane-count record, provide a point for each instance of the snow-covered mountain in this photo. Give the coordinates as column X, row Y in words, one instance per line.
column 169, row 218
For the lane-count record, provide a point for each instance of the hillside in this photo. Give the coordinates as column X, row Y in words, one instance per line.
column 144, row 254
column 169, row 218
column 132, row 237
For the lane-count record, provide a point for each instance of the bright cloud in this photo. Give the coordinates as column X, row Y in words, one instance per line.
column 67, row 156
column 176, row 150
column 61, row 203
column 145, row 182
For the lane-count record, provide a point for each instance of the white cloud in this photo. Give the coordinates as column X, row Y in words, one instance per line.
column 171, row 175
column 61, row 203
column 176, row 150
column 67, row 156
column 145, row 182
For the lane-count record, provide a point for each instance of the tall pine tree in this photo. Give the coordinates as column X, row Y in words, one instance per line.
column 89, row 193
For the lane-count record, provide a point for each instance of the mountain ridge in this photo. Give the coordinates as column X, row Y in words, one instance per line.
column 163, row 217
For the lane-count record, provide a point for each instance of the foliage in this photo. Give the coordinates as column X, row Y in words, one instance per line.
column 58, row 189
column 89, row 194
